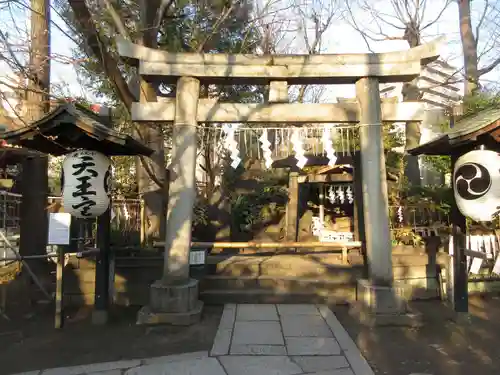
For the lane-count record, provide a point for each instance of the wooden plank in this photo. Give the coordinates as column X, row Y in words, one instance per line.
column 133, row 52
column 293, row 74
column 318, row 178
column 211, row 111
column 292, row 207
column 102, row 269
column 460, row 271
column 59, row 303
column 269, row 245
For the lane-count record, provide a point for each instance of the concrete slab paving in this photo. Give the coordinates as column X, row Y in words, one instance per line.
column 256, row 312
column 358, row 363
column 321, row 363
column 205, row 366
column 342, row 371
column 254, row 340
column 228, row 316
column 92, row 368
column 312, row 346
column 175, row 358
column 252, row 365
column 258, row 350
column 261, row 333
column 305, row 326
column 222, row 342
column 297, row 309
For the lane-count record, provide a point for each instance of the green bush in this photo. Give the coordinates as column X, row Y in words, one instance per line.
column 248, row 210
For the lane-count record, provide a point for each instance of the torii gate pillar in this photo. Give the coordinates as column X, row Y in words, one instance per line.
column 380, row 299
column 174, row 298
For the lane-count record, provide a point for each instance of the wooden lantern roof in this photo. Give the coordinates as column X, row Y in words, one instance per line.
column 71, row 127
column 469, row 132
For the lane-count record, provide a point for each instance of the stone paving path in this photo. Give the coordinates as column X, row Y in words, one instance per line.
column 254, row 340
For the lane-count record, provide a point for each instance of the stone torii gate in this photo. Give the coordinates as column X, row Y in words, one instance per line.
column 174, row 298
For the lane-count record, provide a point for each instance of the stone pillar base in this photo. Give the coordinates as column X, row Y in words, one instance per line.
column 383, row 305
column 172, row 304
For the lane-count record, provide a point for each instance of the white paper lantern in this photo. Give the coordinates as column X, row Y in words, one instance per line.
column 86, row 183
column 476, row 180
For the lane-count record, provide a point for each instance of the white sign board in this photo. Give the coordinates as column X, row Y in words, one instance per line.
column 331, row 236
column 59, row 228
column 197, row 258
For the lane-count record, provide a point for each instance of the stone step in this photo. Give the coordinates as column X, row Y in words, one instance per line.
column 308, row 266
column 278, row 284
column 341, row 295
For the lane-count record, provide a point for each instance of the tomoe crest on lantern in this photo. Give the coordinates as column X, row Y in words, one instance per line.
column 86, row 183
column 476, row 180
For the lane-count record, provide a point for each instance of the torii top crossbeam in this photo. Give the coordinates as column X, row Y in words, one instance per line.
column 400, row 66
column 277, row 70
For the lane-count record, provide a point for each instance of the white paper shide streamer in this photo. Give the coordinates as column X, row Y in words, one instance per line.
column 265, row 147
column 86, row 183
column 400, row 214
column 232, row 146
column 340, row 195
column 298, row 148
column 331, row 195
column 328, row 147
column 350, row 197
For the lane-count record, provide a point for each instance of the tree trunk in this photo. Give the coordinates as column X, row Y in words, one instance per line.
column 35, row 170
column 469, row 47
column 412, row 129
column 151, row 173
column 151, row 181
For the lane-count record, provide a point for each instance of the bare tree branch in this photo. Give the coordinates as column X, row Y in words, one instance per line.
column 95, row 42
column 439, row 15
column 161, row 12
column 225, row 13
column 489, row 67
column 481, row 20
column 117, row 21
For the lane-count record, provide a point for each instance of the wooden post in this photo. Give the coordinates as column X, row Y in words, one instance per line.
column 322, row 202
column 459, row 261
column 142, row 214
column 182, row 190
column 292, row 206
column 374, row 183
column 59, row 300
column 102, row 277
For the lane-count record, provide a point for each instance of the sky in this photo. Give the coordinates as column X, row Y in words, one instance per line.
column 339, row 38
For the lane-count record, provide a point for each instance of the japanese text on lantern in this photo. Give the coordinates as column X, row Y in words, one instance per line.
column 84, row 172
